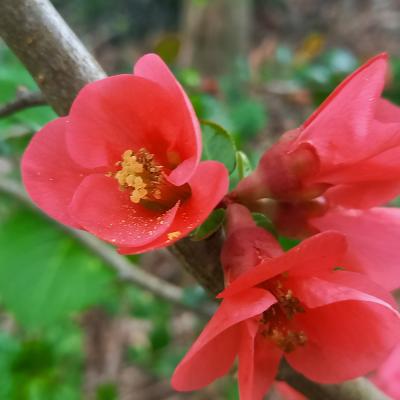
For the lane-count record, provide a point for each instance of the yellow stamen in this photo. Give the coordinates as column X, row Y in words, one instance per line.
column 276, row 319
column 140, row 174
column 174, row 235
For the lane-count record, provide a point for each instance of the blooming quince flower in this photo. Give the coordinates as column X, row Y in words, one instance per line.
column 387, row 377
column 124, row 164
column 286, row 392
column 329, row 324
column 333, row 172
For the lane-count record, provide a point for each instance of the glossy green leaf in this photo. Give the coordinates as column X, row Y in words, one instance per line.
column 287, row 243
column 210, row 225
column 243, row 165
column 218, row 145
column 263, row 221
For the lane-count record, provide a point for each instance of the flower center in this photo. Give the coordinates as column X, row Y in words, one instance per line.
column 140, row 174
column 276, row 320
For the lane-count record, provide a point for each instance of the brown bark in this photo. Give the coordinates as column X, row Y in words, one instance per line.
column 54, row 56
column 215, row 34
column 355, row 389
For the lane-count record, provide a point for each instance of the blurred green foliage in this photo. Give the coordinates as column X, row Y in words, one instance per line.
column 12, row 77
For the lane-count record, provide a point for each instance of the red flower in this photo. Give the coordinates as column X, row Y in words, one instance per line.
column 330, row 324
column 387, row 378
column 124, row 164
column 286, row 392
column 344, row 157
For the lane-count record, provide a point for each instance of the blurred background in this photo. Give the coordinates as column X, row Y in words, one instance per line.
column 70, row 328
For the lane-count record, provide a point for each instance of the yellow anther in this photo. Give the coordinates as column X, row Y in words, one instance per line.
column 139, row 173
column 174, row 235
column 138, row 194
column 276, row 319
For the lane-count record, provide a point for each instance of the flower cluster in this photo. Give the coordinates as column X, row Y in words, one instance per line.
column 335, row 171
column 320, row 304
column 304, row 305
column 124, row 165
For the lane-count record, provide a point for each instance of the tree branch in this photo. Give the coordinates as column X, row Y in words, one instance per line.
column 49, row 49
column 23, row 99
column 355, row 389
column 62, row 66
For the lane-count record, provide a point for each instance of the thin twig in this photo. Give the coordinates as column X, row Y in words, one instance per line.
column 355, row 389
column 126, row 270
column 24, row 99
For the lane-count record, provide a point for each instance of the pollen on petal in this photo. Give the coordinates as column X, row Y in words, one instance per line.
column 174, row 235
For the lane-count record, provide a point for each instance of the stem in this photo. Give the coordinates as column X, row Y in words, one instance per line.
column 24, row 99
column 355, row 389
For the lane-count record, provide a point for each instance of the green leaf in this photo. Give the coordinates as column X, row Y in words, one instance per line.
column 248, row 117
column 107, row 391
column 288, row 243
column 44, row 275
column 168, row 48
column 263, row 222
column 243, row 165
column 243, row 169
column 8, row 348
column 218, row 145
column 210, row 225
column 12, row 76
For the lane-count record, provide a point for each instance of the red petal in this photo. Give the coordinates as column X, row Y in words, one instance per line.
column 246, row 248
column 345, row 339
column 340, row 130
column 238, row 217
column 206, row 362
column 209, row 184
column 364, row 195
column 373, row 240
column 360, row 282
column 339, row 286
column 369, row 182
column 387, row 377
column 49, row 174
column 125, row 112
column 287, row 392
column 246, row 244
column 314, row 255
column 103, row 210
column 387, row 111
column 152, row 67
column 214, row 351
column 258, row 362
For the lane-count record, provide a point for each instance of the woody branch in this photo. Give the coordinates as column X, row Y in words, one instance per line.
column 61, row 66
